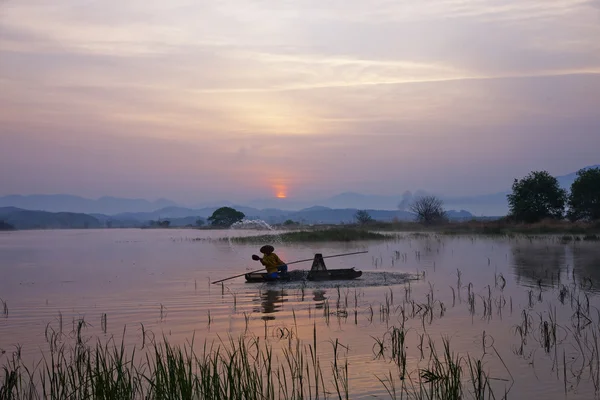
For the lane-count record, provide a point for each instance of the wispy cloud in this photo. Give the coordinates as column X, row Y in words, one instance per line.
column 290, row 91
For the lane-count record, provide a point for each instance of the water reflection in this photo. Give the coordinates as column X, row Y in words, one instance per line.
column 586, row 265
column 319, row 299
column 538, row 264
column 271, row 301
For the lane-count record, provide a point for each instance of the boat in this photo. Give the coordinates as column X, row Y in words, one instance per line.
column 318, row 272
column 329, row 275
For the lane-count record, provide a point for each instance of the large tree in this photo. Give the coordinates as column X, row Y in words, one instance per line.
column 225, row 217
column 535, row 197
column 429, row 210
column 584, row 200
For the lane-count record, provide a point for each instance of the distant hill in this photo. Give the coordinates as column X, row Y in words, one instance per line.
column 135, row 212
column 28, row 219
column 179, row 217
column 76, row 204
column 566, row 181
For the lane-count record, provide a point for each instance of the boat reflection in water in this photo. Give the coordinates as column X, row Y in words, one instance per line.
column 319, row 299
column 271, row 301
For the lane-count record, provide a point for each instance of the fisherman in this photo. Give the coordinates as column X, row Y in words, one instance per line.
column 271, row 261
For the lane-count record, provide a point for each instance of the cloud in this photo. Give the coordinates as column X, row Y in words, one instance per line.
column 322, row 96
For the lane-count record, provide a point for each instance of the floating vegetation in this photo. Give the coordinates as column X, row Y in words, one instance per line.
column 322, row 235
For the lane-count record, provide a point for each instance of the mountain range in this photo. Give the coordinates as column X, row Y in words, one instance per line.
column 180, row 217
column 342, row 206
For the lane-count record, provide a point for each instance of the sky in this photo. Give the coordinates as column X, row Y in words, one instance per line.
column 197, row 100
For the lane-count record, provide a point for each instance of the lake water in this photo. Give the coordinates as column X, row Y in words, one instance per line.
column 480, row 293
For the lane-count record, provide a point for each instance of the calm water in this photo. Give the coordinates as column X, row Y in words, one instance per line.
column 161, row 279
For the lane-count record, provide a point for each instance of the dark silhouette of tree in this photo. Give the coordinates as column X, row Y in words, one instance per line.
column 164, row 223
column 199, row 222
column 537, row 196
column 584, row 200
column 5, row 226
column 429, row 210
column 363, row 217
column 225, row 217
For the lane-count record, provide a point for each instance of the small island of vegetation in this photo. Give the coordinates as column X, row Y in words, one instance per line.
column 334, row 234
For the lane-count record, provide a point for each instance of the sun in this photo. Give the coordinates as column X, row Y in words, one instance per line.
column 280, row 190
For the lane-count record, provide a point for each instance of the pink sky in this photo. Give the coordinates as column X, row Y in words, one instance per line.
column 202, row 100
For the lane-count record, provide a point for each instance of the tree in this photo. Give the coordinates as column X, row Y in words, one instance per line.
column 5, row 226
column 164, row 224
column 363, row 217
column 199, row 222
column 584, row 200
column 535, row 197
column 225, row 217
column 429, row 209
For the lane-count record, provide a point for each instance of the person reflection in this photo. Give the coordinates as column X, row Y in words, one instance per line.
column 271, row 301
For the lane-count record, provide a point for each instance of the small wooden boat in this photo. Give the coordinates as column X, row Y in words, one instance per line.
column 255, row 277
column 318, row 272
column 329, row 275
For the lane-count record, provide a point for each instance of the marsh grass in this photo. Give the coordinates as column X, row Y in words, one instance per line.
column 4, row 307
column 246, row 368
column 501, row 226
column 447, row 375
column 320, row 235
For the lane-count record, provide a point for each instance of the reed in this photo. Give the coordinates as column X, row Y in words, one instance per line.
column 244, row 368
column 4, row 308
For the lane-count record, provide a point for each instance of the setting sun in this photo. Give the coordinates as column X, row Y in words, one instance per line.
column 280, row 190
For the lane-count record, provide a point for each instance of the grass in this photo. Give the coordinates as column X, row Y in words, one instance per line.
column 246, row 368
column 318, row 235
column 495, row 227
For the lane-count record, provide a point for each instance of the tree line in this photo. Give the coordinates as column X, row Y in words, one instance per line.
column 538, row 196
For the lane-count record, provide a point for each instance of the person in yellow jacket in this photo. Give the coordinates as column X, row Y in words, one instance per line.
column 273, row 264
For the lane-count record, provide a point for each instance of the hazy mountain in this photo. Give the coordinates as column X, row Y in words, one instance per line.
column 27, row 219
column 325, row 215
column 566, row 181
column 77, row 204
column 494, row 204
column 131, row 210
column 179, row 217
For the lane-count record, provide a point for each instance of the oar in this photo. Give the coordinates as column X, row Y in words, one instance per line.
column 293, row 262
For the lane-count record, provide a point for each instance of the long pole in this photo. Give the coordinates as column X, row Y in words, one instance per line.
column 290, row 263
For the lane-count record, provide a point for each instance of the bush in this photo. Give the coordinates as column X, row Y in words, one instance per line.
column 363, row 217
column 429, row 210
